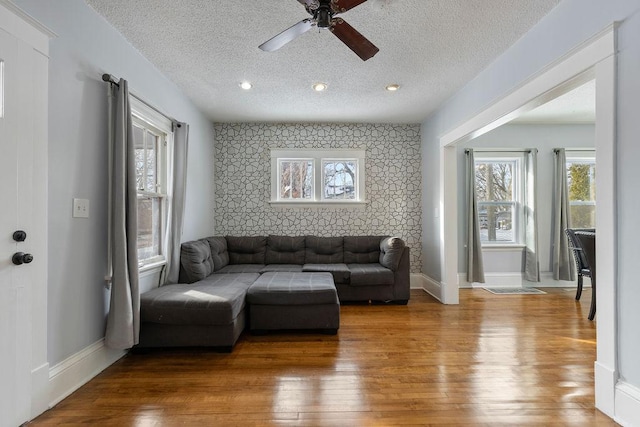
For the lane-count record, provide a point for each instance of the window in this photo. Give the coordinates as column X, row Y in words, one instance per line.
column 499, row 191
column 317, row 176
column 581, row 181
column 152, row 134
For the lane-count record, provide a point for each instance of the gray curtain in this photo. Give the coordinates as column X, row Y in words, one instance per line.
column 123, row 320
column 560, row 253
column 475, row 269
column 178, row 192
column 531, row 259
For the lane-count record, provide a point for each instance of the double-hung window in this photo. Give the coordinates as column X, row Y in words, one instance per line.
column 152, row 135
column 581, row 182
column 317, row 176
column 499, row 191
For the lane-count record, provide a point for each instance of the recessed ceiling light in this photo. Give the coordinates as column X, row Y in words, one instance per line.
column 246, row 85
column 392, row 88
column 319, row 87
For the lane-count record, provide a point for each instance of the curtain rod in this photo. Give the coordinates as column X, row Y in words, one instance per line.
column 108, row 78
column 501, row 150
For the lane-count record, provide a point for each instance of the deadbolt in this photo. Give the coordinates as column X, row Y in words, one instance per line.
column 19, row 236
column 20, row 258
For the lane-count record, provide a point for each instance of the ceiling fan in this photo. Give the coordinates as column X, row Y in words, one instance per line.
column 323, row 15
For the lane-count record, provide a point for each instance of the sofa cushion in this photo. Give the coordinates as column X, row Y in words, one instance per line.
column 370, row 274
column 291, row 268
column 216, row 300
column 241, row 268
column 391, row 250
column 323, row 250
column 285, row 250
column 339, row 271
column 219, row 252
column 196, row 261
column 281, row 288
column 362, row 249
column 246, row 250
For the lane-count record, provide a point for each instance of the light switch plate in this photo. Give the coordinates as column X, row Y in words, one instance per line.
column 81, row 208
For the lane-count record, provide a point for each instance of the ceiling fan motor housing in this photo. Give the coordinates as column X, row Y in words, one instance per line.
column 324, row 14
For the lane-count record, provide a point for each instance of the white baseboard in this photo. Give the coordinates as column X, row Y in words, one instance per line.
column 76, row 370
column 627, row 401
column 427, row 284
column 605, row 380
column 516, row 279
column 493, row 280
column 39, row 390
column 415, row 280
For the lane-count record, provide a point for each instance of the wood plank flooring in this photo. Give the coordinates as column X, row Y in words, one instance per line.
column 492, row 360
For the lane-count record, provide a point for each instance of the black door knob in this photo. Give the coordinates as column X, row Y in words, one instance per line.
column 19, row 236
column 21, row 258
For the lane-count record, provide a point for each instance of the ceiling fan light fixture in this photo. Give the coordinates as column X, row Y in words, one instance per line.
column 320, row 87
column 392, row 87
column 246, row 85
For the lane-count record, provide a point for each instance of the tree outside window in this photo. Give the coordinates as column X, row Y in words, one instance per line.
column 496, row 195
column 581, row 180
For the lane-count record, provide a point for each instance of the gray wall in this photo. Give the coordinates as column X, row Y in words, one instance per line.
column 243, row 181
column 85, row 48
column 571, row 23
column 520, row 136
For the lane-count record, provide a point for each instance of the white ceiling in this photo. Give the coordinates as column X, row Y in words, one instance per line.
column 430, row 47
column 576, row 106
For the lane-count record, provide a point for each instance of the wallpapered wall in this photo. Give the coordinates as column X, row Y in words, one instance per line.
column 393, row 177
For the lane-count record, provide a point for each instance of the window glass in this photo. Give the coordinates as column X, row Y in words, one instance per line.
column 581, row 181
column 296, row 179
column 496, row 191
column 151, row 167
column 339, row 179
column 149, row 227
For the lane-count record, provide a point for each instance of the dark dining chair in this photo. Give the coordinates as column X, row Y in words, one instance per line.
column 587, row 241
column 582, row 266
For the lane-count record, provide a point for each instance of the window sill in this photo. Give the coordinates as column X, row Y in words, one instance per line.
column 323, row 204
column 503, row 247
column 151, row 268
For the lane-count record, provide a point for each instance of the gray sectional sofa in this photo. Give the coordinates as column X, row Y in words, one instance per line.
column 209, row 306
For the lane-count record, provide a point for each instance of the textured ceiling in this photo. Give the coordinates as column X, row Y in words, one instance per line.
column 430, row 47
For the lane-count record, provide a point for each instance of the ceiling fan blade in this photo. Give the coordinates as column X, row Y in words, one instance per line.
column 354, row 40
column 287, row 35
column 341, row 6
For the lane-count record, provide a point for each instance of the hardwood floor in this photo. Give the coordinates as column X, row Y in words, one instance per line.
column 492, row 360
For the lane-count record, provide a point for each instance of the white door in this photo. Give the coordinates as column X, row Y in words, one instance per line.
column 22, row 207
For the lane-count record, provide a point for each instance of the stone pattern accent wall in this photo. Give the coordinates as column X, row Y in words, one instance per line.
column 393, row 180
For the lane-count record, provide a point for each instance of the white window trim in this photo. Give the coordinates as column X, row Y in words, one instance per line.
column 317, row 156
column 141, row 112
column 519, row 202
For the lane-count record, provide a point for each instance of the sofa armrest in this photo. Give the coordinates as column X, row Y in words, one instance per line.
column 402, row 282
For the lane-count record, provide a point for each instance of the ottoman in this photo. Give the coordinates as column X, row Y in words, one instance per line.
column 290, row 300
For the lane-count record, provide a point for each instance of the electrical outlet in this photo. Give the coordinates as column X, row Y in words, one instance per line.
column 81, row 208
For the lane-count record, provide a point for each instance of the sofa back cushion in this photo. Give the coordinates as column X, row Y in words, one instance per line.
column 362, row 249
column 324, row 250
column 247, row 250
column 219, row 252
column 391, row 249
column 285, row 250
column 195, row 260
